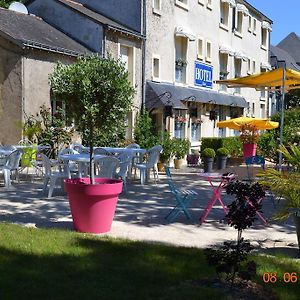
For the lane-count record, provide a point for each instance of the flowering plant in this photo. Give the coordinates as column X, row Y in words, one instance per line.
column 180, row 119
column 249, row 134
column 197, row 120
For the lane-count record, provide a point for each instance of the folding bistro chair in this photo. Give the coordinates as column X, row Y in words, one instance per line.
column 182, row 197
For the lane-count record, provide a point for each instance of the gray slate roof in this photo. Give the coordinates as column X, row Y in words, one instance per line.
column 285, row 56
column 31, row 31
column 291, row 44
column 97, row 16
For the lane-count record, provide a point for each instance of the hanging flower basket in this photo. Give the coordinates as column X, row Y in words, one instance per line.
column 180, row 119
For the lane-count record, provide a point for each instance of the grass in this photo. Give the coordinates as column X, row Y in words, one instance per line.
column 60, row 264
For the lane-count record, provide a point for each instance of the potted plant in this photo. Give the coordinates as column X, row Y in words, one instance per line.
column 193, row 158
column 181, row 147
column 249, row 137
column 167, row 143
column 287, row 185
column 208, row 155
column 98, row 96
column 222, row 154
column 180, row 63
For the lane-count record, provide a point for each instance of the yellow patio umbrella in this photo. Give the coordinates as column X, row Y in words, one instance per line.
column 236, row 123
column 279, row 79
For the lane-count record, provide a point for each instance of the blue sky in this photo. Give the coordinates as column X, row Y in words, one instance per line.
column 284, row 14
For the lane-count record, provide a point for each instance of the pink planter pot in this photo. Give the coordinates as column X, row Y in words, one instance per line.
column 93, row 206
column 249, row 150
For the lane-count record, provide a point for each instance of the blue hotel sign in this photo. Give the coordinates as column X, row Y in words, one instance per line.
column 203, row 75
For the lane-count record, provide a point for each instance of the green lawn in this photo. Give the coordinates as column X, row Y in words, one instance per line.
column 59, row 264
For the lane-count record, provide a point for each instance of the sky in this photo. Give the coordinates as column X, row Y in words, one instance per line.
column 284, row 14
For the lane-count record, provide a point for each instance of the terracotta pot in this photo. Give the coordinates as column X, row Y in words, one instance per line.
column 161, row 166
column 178, row 163
column 93, row 205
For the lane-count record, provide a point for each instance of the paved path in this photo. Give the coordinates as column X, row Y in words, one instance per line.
column 141, row 211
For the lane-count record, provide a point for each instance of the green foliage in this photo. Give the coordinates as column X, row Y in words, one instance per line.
column 292, row 98
column 222, row 152
column 269, row 141
column 181, row 147
column 286, row 184
column 214, row 143
column 234, row 146
column 145, row 133
column 208, row 152
column 97, row 94
column 6, row 3
column 168, row 147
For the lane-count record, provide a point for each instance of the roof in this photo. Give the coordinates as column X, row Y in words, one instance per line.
column 291, row 44
column 31, row 31
column 264, row 17
column 100, row 18
column 282, row 55
column 160, row 94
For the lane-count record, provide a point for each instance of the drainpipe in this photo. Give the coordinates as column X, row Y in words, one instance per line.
column 144, row 57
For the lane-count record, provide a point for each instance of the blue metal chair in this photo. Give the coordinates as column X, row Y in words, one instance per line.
column 254, row 160
column 182, row 197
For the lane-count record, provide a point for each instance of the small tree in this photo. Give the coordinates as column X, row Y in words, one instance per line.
column 97, row 94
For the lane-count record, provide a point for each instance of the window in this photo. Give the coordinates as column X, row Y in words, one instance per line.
column 253, row 67
column 253, row 109
column 262, row 111
column 180, row 58
column 180, row 123
column 254, row 26
column 224, row 13
column 237, row 72
column 57, row 106
column 264, row 38
column 263, row 92
column 156, row 6
column 239, row 22
column 223, row 58
column 209, row 4
column 249, row 23
column 200, row 48
column 156, row 67
column 127, row 58
column 249, row 66
column 195, row 131
column 208, row 51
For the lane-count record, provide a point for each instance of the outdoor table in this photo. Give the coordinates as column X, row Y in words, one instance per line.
column 81, row 158
column 217, row 189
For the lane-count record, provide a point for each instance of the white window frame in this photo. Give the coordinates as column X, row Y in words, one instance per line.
column 249, row 66
column 182, row 4
column 156, row 10
column 253, row 66
column 156, row 78
column 200, row 55
column 222, row 25
column 254, row 26
column 208, row 55
column 250, row 23
column 264, row 42
column 239, row 31
column 201, row 2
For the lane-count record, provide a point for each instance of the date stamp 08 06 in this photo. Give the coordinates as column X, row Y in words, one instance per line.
column 271, row 277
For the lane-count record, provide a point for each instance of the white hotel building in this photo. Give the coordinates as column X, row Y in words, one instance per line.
column 192, row 43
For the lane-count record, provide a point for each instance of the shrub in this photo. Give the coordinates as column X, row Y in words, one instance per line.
column 168, row 147
column 234, row 146
column 181, row 147
column 222, row 152
column 214, row 143
column 208, row 152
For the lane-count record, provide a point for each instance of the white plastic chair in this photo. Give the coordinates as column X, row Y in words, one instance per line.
column 101, row 151
column 106, row 167
column 12, row 164
column 153, row 157
column 52, row 175
column 125, row 159
column 133, row 146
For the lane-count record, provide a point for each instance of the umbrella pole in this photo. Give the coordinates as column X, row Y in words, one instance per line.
column 282, row 114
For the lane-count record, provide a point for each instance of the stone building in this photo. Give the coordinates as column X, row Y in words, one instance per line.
column 192, row 43
column 29, row 51
column 94, row 25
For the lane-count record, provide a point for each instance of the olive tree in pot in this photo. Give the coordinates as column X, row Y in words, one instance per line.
column 222, row 154
column 98, row 96
column 167, row 152
column 208, row 155
column 287, row 185
column 181, row 148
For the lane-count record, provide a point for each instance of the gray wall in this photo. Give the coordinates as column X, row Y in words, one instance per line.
column 126, row 12
column 80, row 28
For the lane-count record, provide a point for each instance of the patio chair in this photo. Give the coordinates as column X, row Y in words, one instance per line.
column 106, row 167
column 253, row 160
column 12, row 164
column 101, row 151
column 125, row 159
column 133, row 146
column 183, row 198
column 151, row 163
column 52, row 175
